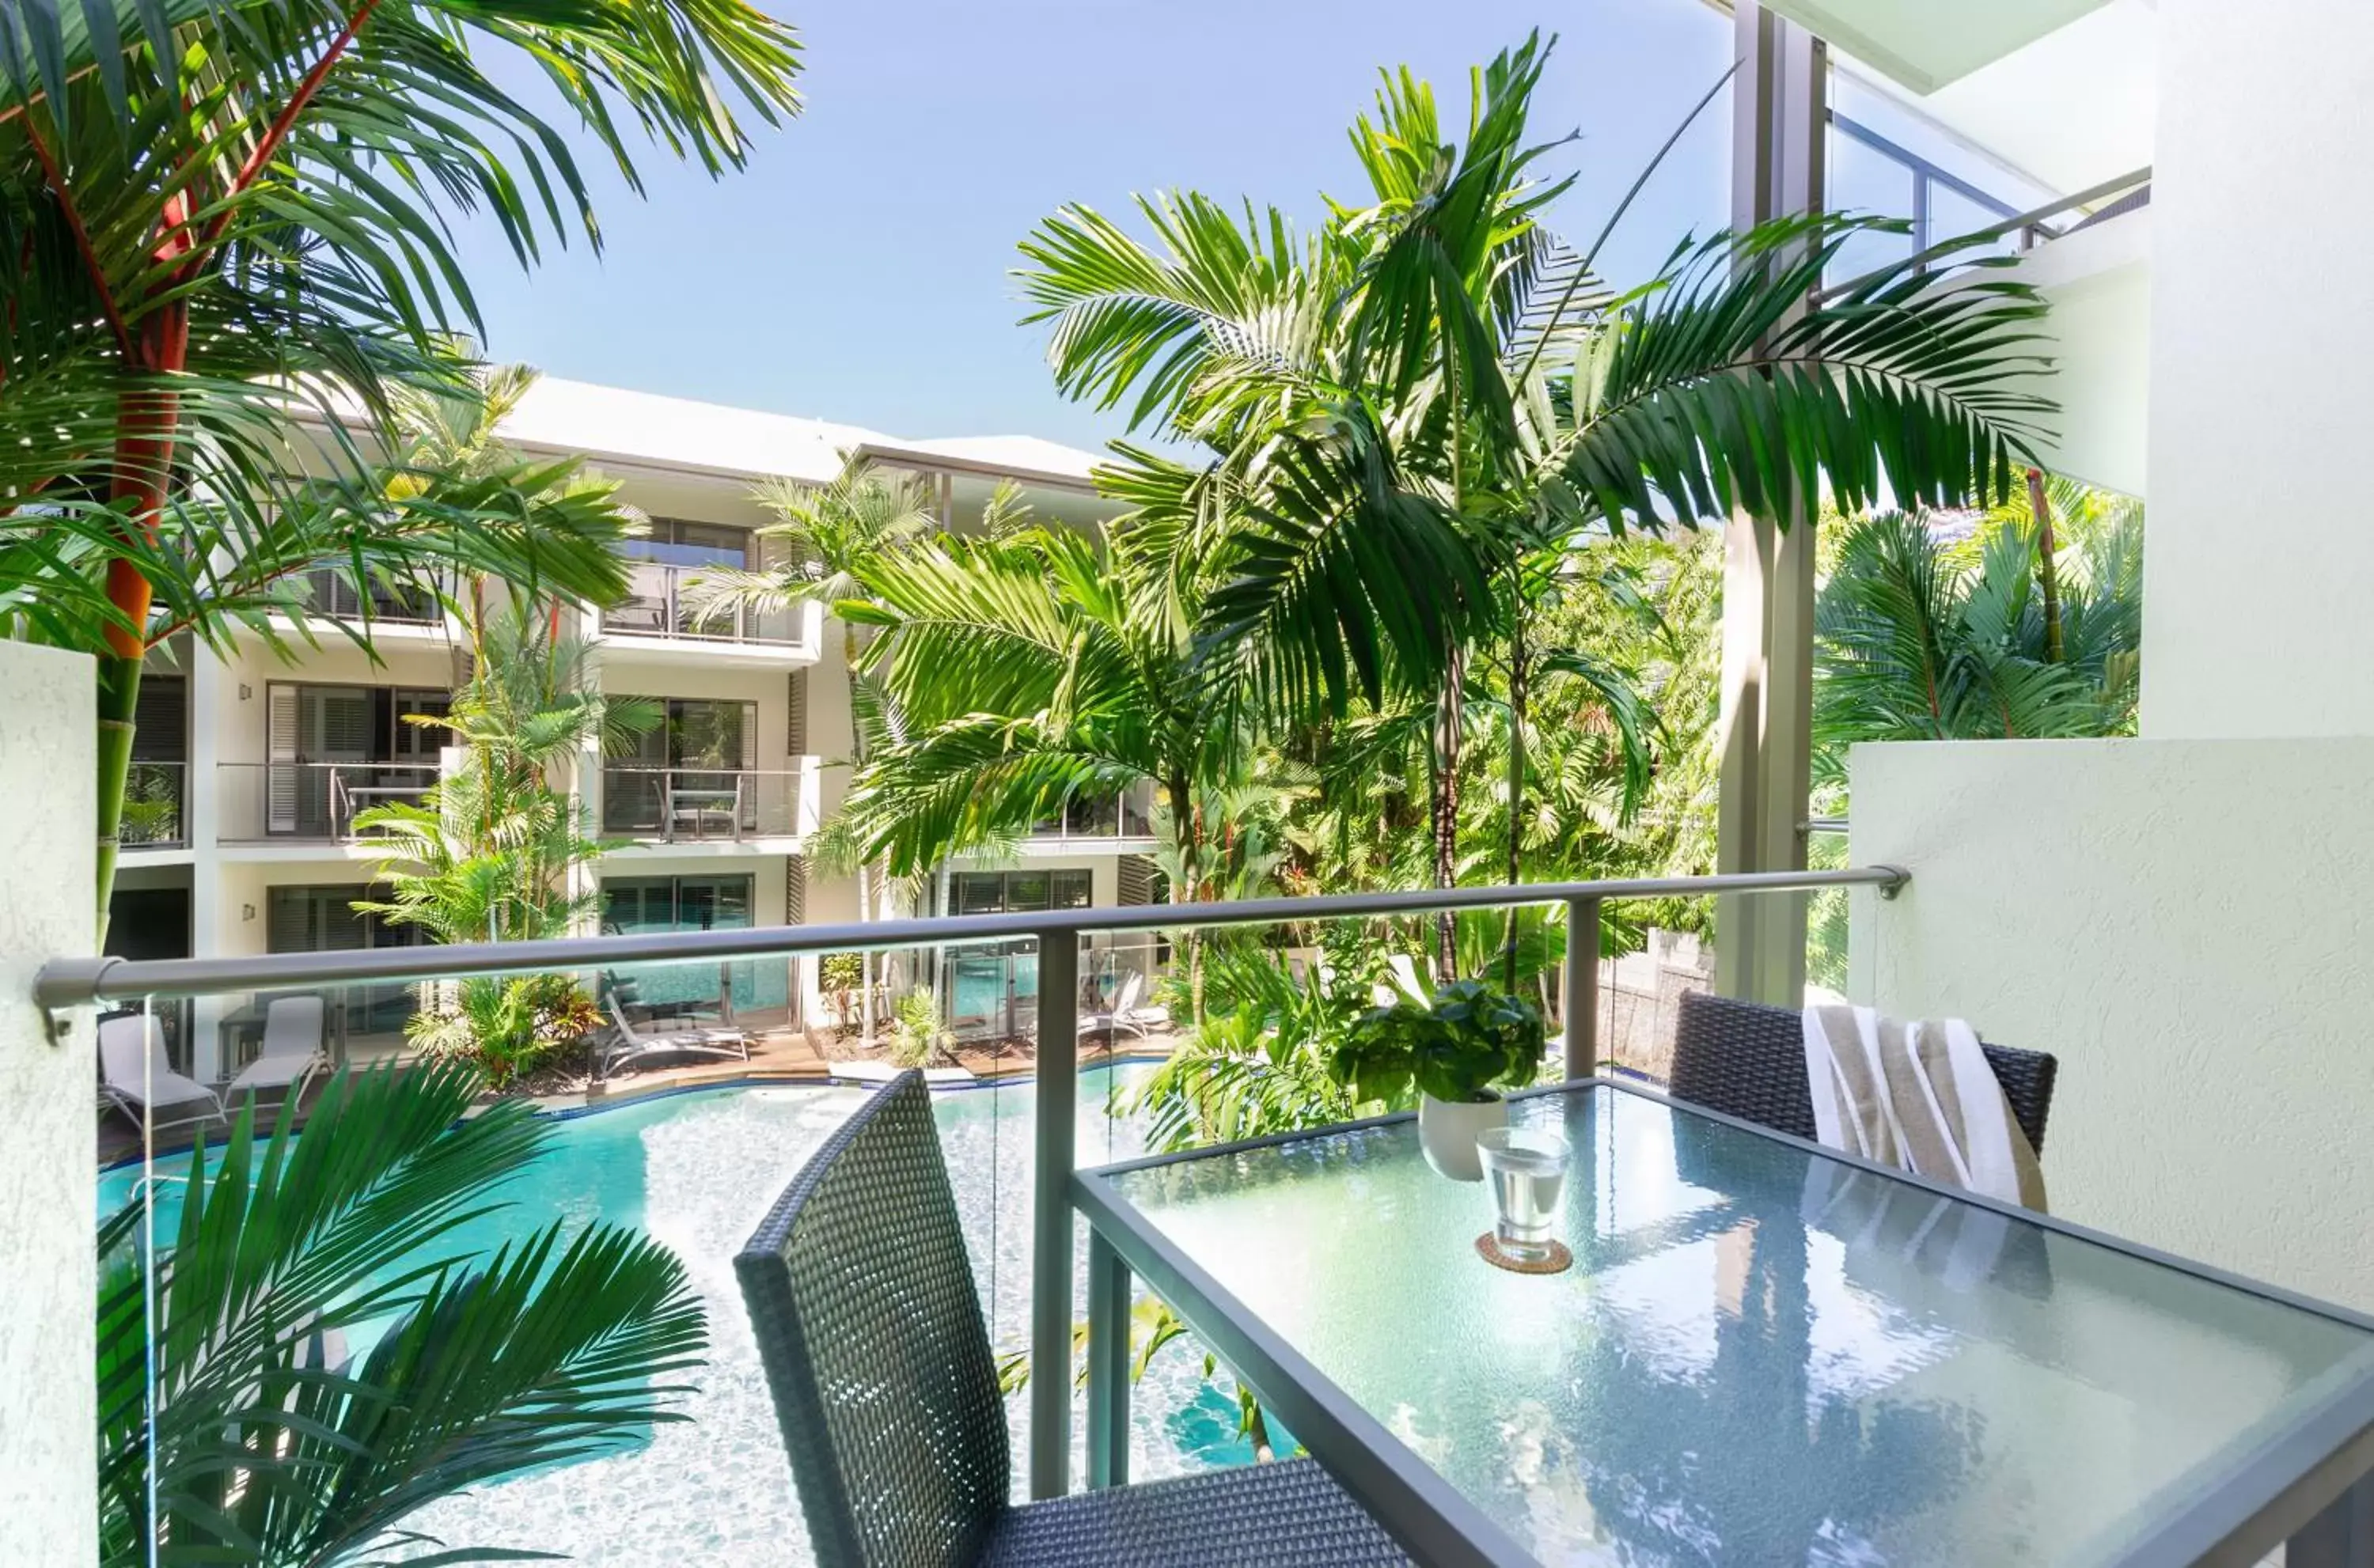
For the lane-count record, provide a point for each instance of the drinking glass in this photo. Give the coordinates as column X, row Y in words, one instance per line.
column 1525, row 1167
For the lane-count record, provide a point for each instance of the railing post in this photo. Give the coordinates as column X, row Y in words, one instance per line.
column 1581, row 987
column 1057, row 1107
column 1108, row 1364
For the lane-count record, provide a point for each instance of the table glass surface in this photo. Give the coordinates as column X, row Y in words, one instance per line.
column 1761, row 1356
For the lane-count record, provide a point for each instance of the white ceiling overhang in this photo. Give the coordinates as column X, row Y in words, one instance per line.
column 1924, row 44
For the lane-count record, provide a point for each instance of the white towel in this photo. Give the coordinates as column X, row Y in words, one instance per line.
column 1917, row 1097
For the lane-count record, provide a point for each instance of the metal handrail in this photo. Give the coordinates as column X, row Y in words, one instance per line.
column 65, row 983
column 72, row 982
column 679, row 620
column 2030, row 219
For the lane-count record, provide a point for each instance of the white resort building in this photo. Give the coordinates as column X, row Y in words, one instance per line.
column 249, row 772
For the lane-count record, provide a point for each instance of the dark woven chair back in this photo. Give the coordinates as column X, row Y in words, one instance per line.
column 1747, row 1059
column 870, row 1330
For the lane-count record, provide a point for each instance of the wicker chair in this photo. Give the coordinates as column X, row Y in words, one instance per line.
column 1747, row 1059
column 870, row 1330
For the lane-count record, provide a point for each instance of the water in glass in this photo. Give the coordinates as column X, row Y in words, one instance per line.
column 1526, row 1170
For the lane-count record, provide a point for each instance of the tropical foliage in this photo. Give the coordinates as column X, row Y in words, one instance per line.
column 1935, row 628
column 1458, row 1044
column 498, row 849
column 261, row 1439
column 228, row 214
column 1259, row 1061
column 1406, row 418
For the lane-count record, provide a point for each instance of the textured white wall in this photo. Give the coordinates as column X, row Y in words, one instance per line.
column 49, row 1504
column 2185, row 924
column 2099, row 283
column 2263, row 372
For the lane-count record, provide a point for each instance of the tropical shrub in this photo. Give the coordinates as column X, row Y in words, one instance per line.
column 1458, row 1047
column 915, row 1031
column 1935, row 628
column 271, row 1447
column 1259, row 1061
column 509, row 1027
column 496, row 851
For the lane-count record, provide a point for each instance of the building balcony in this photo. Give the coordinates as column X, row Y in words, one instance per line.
column 309, row 805
column 662, row 619
column 1109, row 824
column 721, row 810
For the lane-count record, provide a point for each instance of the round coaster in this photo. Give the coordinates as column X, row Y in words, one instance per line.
column 1488, row 1246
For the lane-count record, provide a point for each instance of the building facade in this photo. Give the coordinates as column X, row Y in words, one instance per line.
column 251, row 769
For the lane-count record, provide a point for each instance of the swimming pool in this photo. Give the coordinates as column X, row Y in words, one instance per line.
column 696, row 1171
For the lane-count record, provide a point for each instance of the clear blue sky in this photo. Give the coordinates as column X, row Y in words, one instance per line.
column 857, row 271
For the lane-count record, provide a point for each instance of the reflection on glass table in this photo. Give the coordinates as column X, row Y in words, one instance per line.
column 1762, row 1354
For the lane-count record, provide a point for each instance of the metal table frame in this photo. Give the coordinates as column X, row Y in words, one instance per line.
column 2310, row 1486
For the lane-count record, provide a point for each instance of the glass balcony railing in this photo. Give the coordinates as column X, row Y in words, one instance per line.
column 1043, row 1019
column 1099, row 818
column 699, row 805
column 267, row 802
column 666, row 601
column 155, row 806
column 329, row 593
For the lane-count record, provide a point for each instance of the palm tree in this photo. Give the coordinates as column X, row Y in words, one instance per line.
column 500, row 850
column 1030, row 667
column 228, row 210
column 233, row 1428
column 830, row 532
column 1393, row 408
column 1920, row 636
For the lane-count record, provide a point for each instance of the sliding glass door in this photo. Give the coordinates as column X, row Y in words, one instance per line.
column 695, row 904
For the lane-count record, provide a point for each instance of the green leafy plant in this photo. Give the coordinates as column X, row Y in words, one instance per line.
column 496, row 851
column 509, row 1027
column 1259, row 1061
column 269, row 1447
column 1457, row 1048
column 222, row 214
column 915, row 1031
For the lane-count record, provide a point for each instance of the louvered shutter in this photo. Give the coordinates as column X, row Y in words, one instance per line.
column 280, row 758
column 797, row 743
column 160, row 725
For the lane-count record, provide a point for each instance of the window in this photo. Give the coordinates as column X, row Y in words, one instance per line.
column 324, row 919
column 691, row 759
column 333, row 750
column 677, row 543
column 693, row 904
column 1001, row 893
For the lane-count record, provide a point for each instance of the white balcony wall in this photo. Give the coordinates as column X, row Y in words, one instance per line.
column 2263, row 373
column 2099, row 282
column 48, row 1500
column 2179, row 917
column 2183, row 924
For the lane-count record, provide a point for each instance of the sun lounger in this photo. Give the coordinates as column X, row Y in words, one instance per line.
column 292, row 1053
column 137, row 1079
column 625, row 1047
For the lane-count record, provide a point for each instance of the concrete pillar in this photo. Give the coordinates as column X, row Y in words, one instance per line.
column 207, row 702
column 1764, row 739
column 49, row 1499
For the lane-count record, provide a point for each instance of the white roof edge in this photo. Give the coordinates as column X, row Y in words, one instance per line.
column 620, row 428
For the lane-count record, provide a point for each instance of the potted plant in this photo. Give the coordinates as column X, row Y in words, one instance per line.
column 1453, row 1051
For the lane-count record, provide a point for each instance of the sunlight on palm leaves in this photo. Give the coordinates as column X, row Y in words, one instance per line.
column 267, row 1446
column 1920, row 638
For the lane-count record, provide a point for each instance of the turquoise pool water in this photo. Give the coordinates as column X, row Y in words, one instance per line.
column 696, row 1171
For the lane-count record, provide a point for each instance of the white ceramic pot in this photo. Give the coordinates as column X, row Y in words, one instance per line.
column 1447, row 1130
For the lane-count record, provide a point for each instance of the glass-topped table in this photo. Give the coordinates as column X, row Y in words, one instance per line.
column 1763, row 1354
